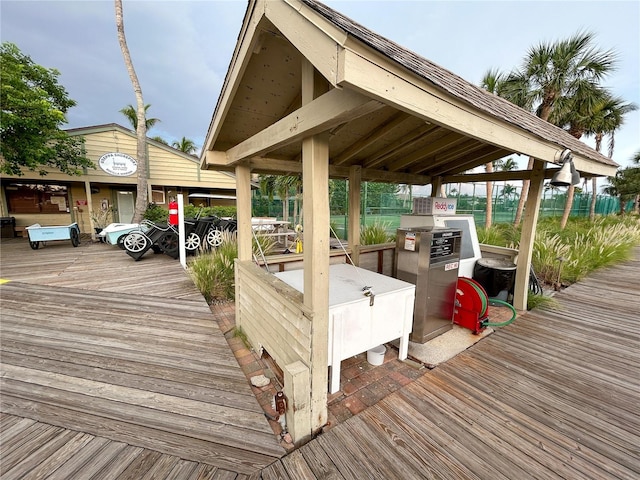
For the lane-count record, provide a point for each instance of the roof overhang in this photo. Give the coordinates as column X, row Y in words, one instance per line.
column 395, row 115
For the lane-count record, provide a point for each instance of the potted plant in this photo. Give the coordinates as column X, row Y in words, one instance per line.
column 101, row 218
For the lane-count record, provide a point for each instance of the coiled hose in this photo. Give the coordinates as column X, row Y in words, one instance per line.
column 497, row 302
column 485, row 302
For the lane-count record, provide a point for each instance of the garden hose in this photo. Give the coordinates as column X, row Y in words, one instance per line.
column 472, row 297
column 497, row 302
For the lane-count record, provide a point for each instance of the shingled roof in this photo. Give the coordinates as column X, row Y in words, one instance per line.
column 456, row 85
column 397, row 115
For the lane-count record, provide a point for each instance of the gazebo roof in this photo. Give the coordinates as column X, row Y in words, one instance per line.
column 395, row 114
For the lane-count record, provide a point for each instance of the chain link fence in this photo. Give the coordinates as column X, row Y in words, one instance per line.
column 386, row 208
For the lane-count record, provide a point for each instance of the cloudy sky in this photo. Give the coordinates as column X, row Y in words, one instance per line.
column 181, row 49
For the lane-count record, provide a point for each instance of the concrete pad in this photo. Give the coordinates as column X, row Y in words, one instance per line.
column 445, row 346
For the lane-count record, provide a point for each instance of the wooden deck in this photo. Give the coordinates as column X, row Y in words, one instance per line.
column 554, row 395
column 116, row 383
column 113, row 368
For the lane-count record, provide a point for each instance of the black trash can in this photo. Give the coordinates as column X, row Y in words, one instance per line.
column 8, row 227
column 495, row 275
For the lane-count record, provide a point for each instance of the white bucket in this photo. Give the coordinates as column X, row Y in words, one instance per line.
column 375, row 356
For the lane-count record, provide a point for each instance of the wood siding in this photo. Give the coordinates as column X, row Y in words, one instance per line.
column 167, row 168
column 271, row 314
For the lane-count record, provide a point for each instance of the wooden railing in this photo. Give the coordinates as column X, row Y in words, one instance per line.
column 377, row 258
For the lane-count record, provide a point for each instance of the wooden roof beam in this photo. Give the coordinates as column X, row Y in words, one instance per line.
column 331, row 109
column 478, row 158
column 474, row 158
column 511, row 175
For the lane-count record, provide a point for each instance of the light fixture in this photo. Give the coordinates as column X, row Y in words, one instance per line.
column 567, row 175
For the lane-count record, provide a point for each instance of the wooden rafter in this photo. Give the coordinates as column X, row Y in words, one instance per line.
column 331, row 109
column 374, row 136
column 401, row 144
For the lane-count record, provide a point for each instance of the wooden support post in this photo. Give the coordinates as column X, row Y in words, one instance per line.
column 315, row 168
column 244, row 233
column 436, row 186
column 315, row 187
column 355, row 182
column 296, row 389
column 243, row 202
column 521, row 289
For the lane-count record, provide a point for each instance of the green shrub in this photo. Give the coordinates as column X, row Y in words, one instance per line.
column 213, row 271
column 156, row 214
column 192, row 211
column 263, row 245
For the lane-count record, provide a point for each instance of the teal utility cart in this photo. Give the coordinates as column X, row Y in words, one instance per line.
column 38, row 233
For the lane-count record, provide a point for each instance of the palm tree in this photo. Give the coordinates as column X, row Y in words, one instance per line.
column 132, row 115
column 552, row 71
column 508, row 191
column 491, row 82
column 506, row 166
column 608, row 116
column 590, row 114
column 282, row 185
column 406, row 191
column 625, row 185
column 185, row 145
column 140, row 123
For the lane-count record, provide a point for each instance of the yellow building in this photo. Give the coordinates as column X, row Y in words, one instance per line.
column 60, row 199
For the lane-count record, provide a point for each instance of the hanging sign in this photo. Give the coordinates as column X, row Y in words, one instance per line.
column 118, row 164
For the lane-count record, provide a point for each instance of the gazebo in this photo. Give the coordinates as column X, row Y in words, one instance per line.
column 311, row 92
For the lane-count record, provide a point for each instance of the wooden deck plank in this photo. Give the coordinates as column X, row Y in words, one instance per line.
column 539, row 441
column 51, row 456
column 22, row 446
column 196, row 365
column 169, row 378
column 211, row 422
column 89, row 335
column 179, row 387
column 563, row 417
column 184, row 446
column 69, row 469
column 119, row 463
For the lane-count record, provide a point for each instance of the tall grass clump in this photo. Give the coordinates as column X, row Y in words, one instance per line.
column 501, row 234
column 541, row 301
column 375, row 234
column 570, row 254
column 213, row 271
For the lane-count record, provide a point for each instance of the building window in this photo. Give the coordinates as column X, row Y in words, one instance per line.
column 37, row 198
column 157, row 196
